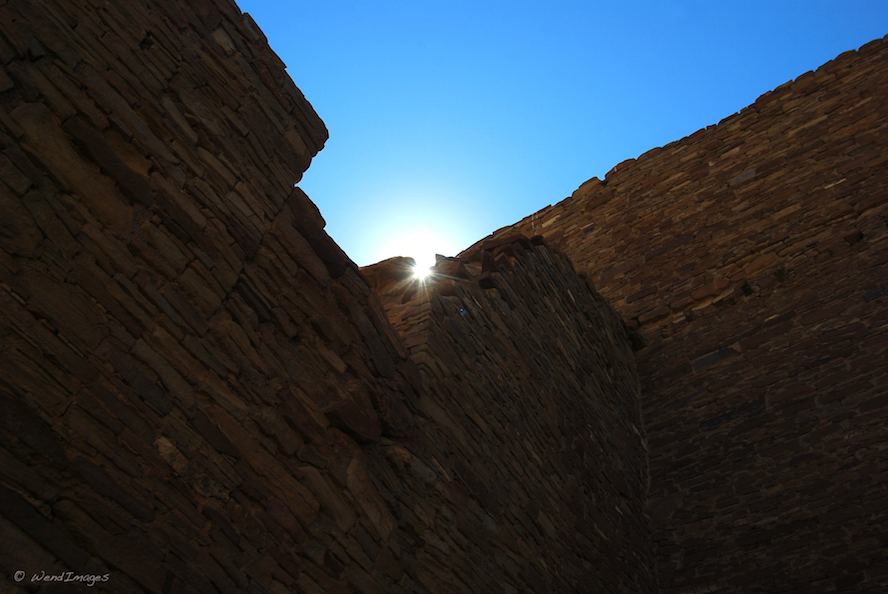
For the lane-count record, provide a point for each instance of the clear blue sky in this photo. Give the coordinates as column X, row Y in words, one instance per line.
column 451, row 119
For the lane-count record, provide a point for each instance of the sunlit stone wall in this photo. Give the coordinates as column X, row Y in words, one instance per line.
column 752, row 257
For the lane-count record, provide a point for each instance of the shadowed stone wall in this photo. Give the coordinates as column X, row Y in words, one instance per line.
column 199, row 391
column 531, row 403
column 752, row 260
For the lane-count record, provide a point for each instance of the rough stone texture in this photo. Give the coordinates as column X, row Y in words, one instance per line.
column 752, row 259
column 199, row 391
column 531, row 404
column 189, row 362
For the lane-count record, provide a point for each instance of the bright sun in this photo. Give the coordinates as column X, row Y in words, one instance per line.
column 421, row 245
column 421, row 272
column 424, row 258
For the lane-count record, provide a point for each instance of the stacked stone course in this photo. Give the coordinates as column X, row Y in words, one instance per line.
column 531, row 399
column 751, row 258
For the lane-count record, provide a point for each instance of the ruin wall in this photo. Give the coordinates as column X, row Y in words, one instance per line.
column 751, row 260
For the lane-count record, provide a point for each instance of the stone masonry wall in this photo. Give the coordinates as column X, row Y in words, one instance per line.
column 200, row 393
column 188, row 361
column 752, row 259
column 530, row 402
